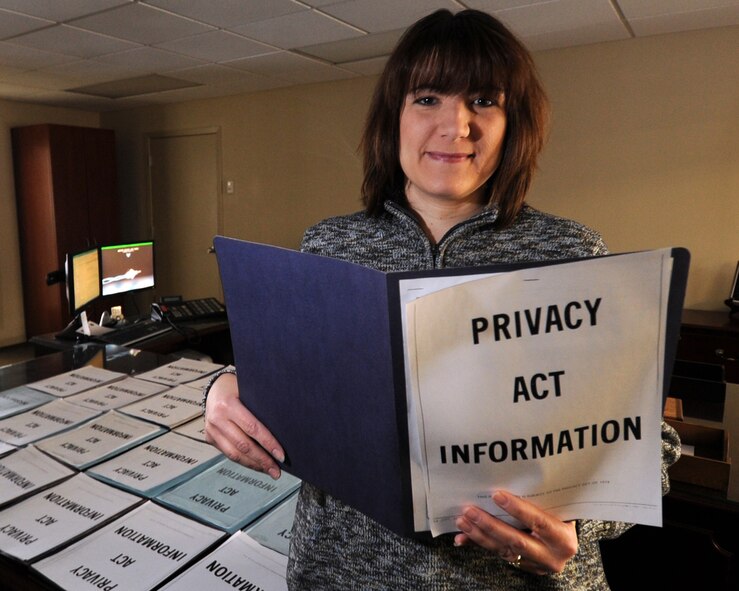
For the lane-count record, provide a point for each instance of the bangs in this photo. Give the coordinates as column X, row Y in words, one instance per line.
column 458, row 63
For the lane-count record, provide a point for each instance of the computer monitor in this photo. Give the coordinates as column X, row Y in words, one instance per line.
column 127, row 267
column 83, row 279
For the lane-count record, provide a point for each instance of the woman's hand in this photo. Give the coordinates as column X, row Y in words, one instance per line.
column 543, row 548
column 236, row 432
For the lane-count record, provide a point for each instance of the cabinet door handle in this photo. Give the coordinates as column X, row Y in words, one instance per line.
column 721, row 354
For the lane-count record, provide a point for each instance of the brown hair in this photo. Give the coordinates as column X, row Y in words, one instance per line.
column 468, row 51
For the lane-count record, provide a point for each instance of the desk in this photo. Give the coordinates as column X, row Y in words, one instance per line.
column 211, row 337
column 699, row 539
column 14, row 575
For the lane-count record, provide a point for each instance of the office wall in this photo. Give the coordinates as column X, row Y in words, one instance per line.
column 14, row 114
column 643, row 148
column 291, row 154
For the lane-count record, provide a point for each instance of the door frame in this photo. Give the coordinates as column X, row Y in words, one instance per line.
column 216, row 131
column 148, row 137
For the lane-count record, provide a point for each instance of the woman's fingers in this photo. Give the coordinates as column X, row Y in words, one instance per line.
column 233, row 429
column 543, row 547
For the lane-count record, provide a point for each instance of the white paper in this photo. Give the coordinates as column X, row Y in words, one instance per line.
column 135, row 552
column 117, row 394
column 98, row 439
column 274, row 529
column 169, row 408
column 180, row 372
column 203, row 382
column 54, row 516
column 480, row 405
column 410, row 290
column 228, row 495
column 77, row 380
column 21, row 399
column 27, row 470
column 43, row 421
column 194, row 429
column 238, row 563
column 157, row 464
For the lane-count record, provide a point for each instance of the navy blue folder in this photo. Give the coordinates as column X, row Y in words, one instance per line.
column 318, row 348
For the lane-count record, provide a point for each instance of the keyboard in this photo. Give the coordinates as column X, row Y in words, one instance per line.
column 134, row 333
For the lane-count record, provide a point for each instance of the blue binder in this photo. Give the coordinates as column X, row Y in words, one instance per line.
column 318, row 348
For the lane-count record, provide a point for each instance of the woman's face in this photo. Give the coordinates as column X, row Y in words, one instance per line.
column 450, row 145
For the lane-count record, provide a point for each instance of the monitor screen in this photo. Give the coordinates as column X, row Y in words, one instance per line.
column 127, row 267
column 83, row 279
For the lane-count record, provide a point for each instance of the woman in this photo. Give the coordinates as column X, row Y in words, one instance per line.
column 454, row 129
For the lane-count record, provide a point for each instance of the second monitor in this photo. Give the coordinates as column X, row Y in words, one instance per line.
column 127, row 267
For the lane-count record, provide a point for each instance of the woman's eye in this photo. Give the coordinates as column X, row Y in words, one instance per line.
column 484, row 102
column 425, row 100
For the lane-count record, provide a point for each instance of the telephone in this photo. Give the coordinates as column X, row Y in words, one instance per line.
column 187, row 310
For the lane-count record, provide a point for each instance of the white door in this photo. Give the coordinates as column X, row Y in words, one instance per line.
column 184, row 182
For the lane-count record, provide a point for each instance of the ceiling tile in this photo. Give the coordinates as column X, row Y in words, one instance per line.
column 217, row 46
column 141, row 24
column 291, row 68
column 18, row 92
column 224, row 78
column 558, row 16
column 88, row 71
column 60, row 10
column 229, row 13
column 73, row 100
column 44, row 80
column 355, row 49
column 650, row 8
column 138, row 85
column 297, row 29
column 370, row 67
column 276, row 63
column 29, row 57
column 571, row 38
column 385, row 15
column 149, row 59
column 12, row 24
column 72, row 41
column 248, row 37
column 685, row 21
column 214, row 74
column 317, row 3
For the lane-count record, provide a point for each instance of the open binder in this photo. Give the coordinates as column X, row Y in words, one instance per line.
column 318, row 344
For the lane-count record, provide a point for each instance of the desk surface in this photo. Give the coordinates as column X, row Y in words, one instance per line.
column 13, row 574
column 105, row 356
column 208, row 336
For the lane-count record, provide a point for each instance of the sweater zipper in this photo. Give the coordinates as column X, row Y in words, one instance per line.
column 437, row 249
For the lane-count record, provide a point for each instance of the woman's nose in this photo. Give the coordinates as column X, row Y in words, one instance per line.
column 455, row 119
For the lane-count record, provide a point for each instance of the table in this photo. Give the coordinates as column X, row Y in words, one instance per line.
column 209, row 336
column 14, row 575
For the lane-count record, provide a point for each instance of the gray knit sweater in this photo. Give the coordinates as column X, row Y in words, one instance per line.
column 335, row 547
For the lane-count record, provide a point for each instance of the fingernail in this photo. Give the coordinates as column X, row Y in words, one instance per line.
column 278, row 455
column 500, row 499
column 274, row 473
column 472, row 514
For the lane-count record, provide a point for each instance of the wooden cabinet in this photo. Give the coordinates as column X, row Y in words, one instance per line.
column 711, row 337
column 699, row 539
column 65, row 180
